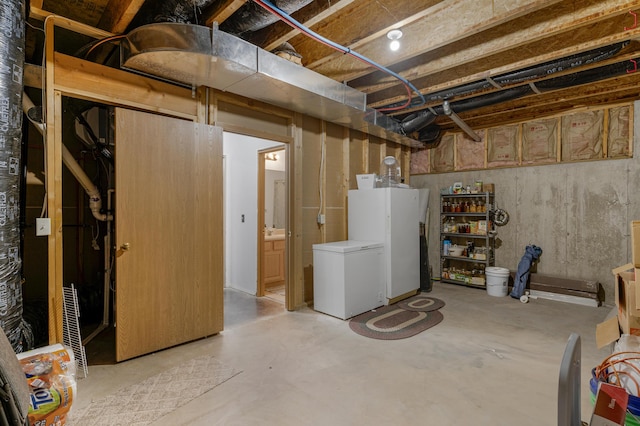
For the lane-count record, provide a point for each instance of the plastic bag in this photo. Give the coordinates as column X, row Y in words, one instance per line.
column 624, row 363
column 50, row 373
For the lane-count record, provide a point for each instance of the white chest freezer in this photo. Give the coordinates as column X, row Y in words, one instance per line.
column 348, row 277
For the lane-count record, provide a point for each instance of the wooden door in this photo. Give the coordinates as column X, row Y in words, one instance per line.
column 169, row 272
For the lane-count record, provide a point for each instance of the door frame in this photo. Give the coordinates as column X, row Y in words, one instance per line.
column 260, row 288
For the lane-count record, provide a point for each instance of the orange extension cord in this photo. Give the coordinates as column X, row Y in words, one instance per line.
column 608, row 370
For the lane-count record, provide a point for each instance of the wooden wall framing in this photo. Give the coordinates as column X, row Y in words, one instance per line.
column 603, row 124
column 312, row 176
column 68, row 76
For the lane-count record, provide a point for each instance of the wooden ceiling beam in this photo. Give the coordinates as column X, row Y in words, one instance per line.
column 632, row 53
column 438, row 26
column 87, row 80
column 508, row 44
column 380, row 16
column 313, row 14
column 472, row 72
column 222, row 10
column 118, row 14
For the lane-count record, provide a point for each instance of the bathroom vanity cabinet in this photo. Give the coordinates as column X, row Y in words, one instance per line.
column 273, row 264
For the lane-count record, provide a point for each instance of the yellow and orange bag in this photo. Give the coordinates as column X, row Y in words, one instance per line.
column 50, row 373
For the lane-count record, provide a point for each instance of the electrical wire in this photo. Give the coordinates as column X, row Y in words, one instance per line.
column 609, row 369
column 321, row 171
column 265, row 4
column 102, row 41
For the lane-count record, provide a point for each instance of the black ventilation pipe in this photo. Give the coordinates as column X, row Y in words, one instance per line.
column 12, row 38
column 417, row 121
column 557, row 83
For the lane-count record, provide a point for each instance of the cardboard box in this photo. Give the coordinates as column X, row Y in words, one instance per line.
column 482, row 227
column 610, row 406
column 635, row 243
column 627, row 297
column 489, row 187
column 628, row 314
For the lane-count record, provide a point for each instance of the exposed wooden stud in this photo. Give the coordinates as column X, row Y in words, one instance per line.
column 53, row 185
column 631, row 127
column 202, row 114
column 605, row 133
column 365, row 155
column 322, row 180
column 260, row 225
column 33, row 75
column 346, row 179
column 87, row 80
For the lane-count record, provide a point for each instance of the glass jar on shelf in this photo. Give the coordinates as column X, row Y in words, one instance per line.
column 451, row 226
column 445, row 274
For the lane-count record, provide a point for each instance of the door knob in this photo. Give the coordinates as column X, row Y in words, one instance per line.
column 123, row 248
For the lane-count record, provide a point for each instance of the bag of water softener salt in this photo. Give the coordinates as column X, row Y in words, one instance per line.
column 50, row 373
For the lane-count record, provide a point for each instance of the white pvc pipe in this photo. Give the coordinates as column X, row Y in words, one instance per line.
column 95, row 202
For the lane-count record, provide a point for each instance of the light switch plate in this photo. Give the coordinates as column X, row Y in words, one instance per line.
column 43, row 226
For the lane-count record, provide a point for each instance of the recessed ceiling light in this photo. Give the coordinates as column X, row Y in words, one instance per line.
column 394, row 36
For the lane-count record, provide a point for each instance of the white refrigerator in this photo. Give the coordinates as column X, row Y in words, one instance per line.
column 390, row 216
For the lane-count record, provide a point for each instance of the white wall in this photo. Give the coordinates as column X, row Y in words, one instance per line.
column 241, row 198
column 578, row 213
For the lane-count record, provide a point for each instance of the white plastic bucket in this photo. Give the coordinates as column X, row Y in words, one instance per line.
column 497, row 281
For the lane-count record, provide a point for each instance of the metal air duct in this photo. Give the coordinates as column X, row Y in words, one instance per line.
column 12, row 45
column 200, row 56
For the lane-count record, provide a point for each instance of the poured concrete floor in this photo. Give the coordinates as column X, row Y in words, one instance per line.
column 491, row 361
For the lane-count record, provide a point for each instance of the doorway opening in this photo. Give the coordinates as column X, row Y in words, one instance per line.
column 255, row 223
column 272, row 205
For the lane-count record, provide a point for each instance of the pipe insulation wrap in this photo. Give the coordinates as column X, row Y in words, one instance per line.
column 536, row 72
column 12, row 46
column 423, row 121
column 251, row 17
column 179, row 10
